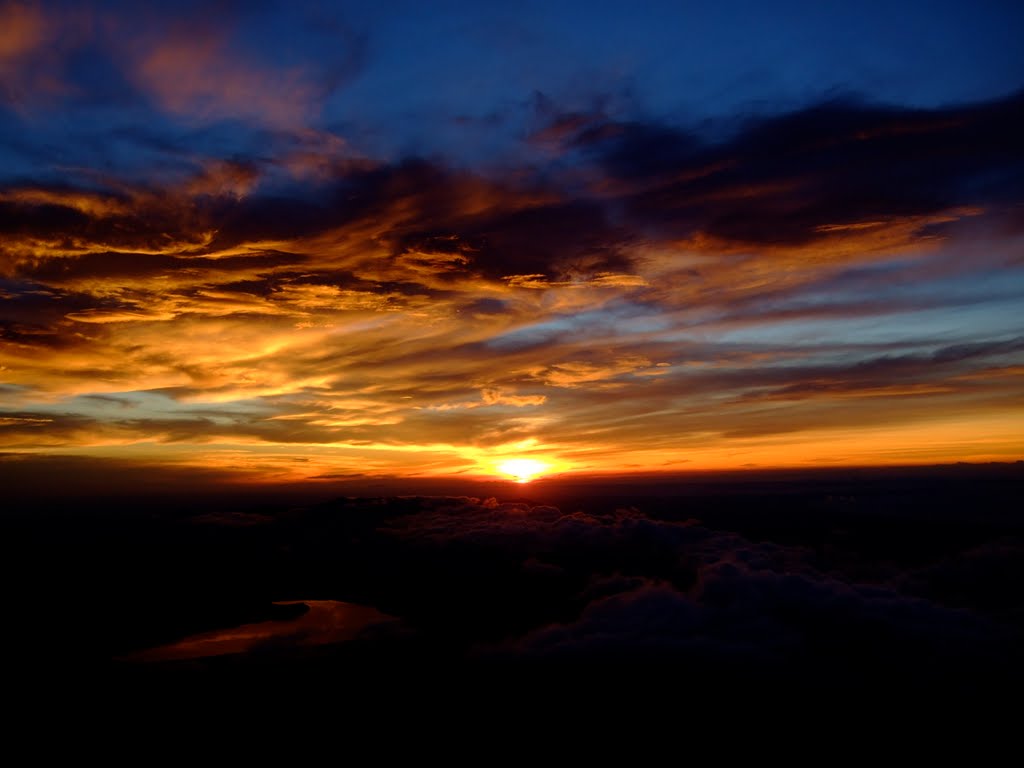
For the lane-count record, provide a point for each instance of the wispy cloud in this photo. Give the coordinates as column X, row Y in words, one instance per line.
column 836, row 284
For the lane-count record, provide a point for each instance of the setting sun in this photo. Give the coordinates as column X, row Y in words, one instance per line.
column 523, row 470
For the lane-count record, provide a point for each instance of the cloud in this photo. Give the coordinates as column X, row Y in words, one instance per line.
column 114, row 316
column 191, row 72
column 23, row 30
column 223, row 179
column 644, row 311
column 324, row 622
column 574, row 373
column 897, row 585
column 203, row 65
column 839, row 167
column 497, row 397
column 30, row 39
column 814, row 631
column 512, row 580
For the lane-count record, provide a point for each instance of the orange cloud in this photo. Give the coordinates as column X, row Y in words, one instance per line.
column 192, row 72
column 27, row 71
column 574, row 373
column 413, row 319
column 23, row 30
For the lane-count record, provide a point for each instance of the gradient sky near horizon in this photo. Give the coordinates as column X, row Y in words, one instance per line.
column 298, row 240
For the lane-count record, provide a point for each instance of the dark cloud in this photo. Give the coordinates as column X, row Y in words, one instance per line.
column 982, row 577
column 41, row 219
column 31, row 313
column 76, row 221
column 792, row 179
column 648, row 591
column 422, row 211
column 644, row 153
column 830, row 581
column 562, row 241
column 889, row 370
column 119, row 264
column 269, row 218
column 782, row 179
column 486, row 581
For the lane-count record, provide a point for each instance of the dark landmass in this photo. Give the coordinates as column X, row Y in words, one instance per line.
column 903, row 581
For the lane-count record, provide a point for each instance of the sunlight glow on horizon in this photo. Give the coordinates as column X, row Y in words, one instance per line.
column 523, row 470
column 249, row 461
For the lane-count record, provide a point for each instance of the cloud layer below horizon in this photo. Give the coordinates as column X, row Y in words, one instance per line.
column 833, row 606
column 243, row 281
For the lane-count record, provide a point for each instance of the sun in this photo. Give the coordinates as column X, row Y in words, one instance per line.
column 523, row 470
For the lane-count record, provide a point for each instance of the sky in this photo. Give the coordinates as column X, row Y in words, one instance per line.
column 296, row 241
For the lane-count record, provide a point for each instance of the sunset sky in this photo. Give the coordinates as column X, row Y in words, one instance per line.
column 316, row 240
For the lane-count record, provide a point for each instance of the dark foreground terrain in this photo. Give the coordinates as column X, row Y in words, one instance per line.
column 897, row 582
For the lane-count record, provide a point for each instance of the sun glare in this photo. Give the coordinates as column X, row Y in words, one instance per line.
column 523, row 470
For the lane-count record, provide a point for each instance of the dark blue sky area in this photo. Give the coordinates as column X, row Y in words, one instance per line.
column 128, row 90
